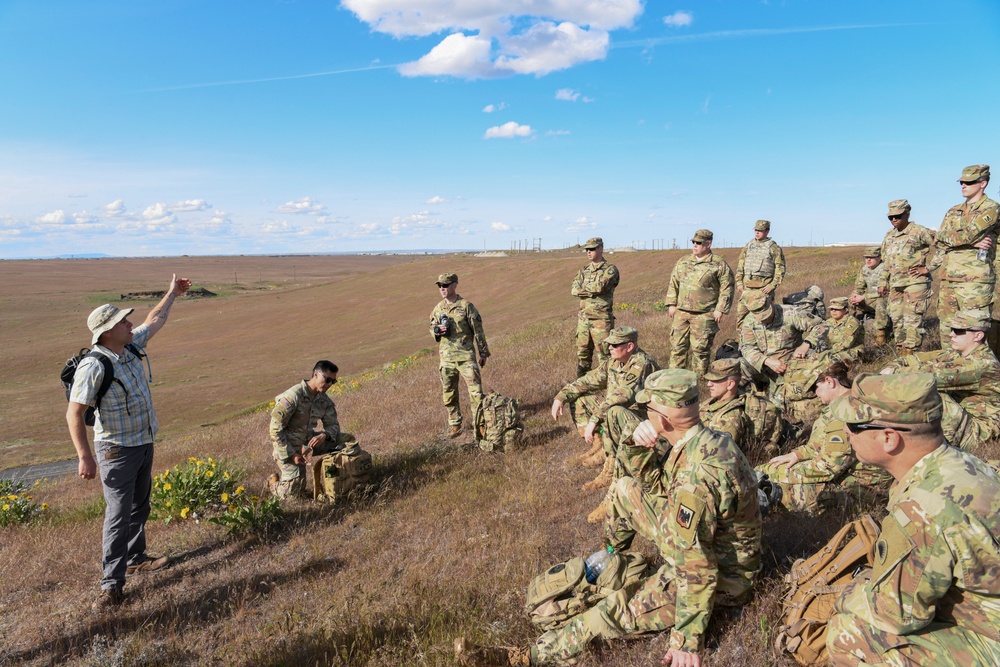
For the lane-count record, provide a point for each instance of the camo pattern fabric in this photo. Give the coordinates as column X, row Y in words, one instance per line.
column 761, row 263
column 729, row 417
column 465, row 330
column 931, row 597
column 619, row 380
column 866, row 285
column 903, row 250
column 973, row 381
column 595, row 286
column 954, row 252
column 906, row 307
column 974, row 298
column 789, row 329
column 691, row 338
column 701, row 285
column 846, row 338
column 295, row 416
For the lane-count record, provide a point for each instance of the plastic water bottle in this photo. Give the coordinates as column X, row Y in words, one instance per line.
column 596, row 562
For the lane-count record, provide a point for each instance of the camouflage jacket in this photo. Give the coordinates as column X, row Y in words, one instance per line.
column 709, row 528
column 595, row 285
column 465, row 326
column 789, row 328
column 827, row 456
column 846, row 338
column 701, row 285
column 964, row 225
column 937, row 557
column 904, row 250
column 730, row 418
column 621, row 380
column 295, row 417
column 973, row 381
column 868, row 281
column 761, row 263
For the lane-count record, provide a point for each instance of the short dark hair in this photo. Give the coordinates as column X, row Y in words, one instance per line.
column 325, row 366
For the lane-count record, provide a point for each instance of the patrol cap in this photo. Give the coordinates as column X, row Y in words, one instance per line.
column 104, row 318
column 760, row 307
column 976, row 172
column 899, row 398
column 720, row 369
column 977, row 320
column 874, row 251
column 593, row 243
column 898, row 207
column 673, row 388
column 702, row 235
column 620, row 335
column 838, row 303
column 446, row 279
column 762, row 225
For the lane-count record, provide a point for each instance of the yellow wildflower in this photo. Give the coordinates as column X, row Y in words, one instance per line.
column 45, row 506
column 232, row 509
column 6, row 507
column 167, row 486
column 225, row 497
column 225, row 475
column 209, row 473
column 191, row 459
column 211, row 460
column 239, row 490
column 185, row 512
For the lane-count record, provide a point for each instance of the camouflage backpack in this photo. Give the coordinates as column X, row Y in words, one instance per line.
column 561, row 592
column 498, row 423
column 335, row 474
column 815, row 585
column 810, row 300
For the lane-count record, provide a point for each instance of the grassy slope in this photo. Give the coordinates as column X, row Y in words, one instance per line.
column 446, row 541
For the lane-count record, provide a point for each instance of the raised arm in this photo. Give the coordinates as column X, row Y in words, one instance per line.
column 158, row 316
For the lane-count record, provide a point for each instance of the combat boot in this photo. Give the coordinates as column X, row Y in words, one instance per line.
column 455, row 431
column 598, row 446
column 601, row 513
column 272, row 484
column 468, row 654
column 880, row 337
column 604, row 479
column 595, row 458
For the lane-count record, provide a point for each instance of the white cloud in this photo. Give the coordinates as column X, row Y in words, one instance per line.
column 436, row 199
column 114, row 209
column 306, row 205
column 488, row 38
column 581, row 224
column 190, row 205
column 275, row 227
column 557, row 133
column 508, row 131
column 679, row 19
column 567, row 94
column 547, row 218
column 499, row 226
column 490, row 108
column 53, row 218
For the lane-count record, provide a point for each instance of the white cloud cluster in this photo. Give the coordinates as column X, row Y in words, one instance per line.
column 306, row 205
column 570, row 95
column 499, row 226
column 679, row 19
column 490, row 38
column 435, row 200
column 581, row 224
column 490, row 108
column 190, row 205
column 508, row 130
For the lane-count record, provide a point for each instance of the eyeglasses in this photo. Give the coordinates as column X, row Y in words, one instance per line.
column 649, row 408
column 854, row 429
column 895, row 217
column 327, row 380
column 968, row 182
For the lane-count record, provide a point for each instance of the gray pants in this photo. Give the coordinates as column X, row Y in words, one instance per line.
column 126, row 475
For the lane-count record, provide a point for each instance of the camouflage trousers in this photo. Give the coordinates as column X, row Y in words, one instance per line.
column 972, row 298
column 968, row 428
column 906, row 307
column 873, row 307
column 583, row 407
column 292, row 479
column 450, row 371
column 691, row 338
column 590, row 335
column 806, row 489
column 852, row 641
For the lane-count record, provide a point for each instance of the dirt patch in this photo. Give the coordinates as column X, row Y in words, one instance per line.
column 156, row 295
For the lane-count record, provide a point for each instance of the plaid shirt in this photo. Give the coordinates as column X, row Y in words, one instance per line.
column 126, row 416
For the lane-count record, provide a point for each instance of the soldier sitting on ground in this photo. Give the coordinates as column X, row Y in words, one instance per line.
column 823, row 472
column 619, row 377
column 866, row 300
column 844, row 332
column 724, row 411
column 968, row 377
column 931, row 596
column 702, row 515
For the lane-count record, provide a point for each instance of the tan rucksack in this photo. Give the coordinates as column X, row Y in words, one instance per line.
column 337, row 473
column 816, row 583
column 498, row 424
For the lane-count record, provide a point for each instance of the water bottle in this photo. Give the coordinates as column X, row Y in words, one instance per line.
column 596, row 562
column 983, row 255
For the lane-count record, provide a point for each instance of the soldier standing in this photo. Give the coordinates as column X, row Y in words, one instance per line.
column 595, row 286
column 760, row 269
column 866, row 299
column 458, row 329
column 965, row 250
column 931, row 596
column 700, row 293
column 725, row 410
column 905, row 281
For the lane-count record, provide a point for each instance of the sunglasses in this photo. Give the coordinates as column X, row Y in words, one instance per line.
column 895, row 217
column 854, row 429
column 618, row 344
column 327, row 380
column 968, row 182
column 697, row 243
column 961, row 332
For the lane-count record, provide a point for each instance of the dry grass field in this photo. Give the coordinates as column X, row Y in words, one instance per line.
column 444, row 542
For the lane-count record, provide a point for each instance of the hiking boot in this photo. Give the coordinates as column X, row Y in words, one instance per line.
column 880, row 337
column 594, row 449
column 109, row 598
column 455, row 430
column 595, row 460
column 599, row 514
column 149, row 564
column 468, row 654
column 604, row 479
column 272, row 484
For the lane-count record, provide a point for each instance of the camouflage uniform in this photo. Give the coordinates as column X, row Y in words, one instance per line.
column 846, row 338
column 698, row 286
column 458, row 355
column 907, row 296
column 704, row 519
column 867, row 284
column 595, row 286
column 761, row 263
column 727, row 415
column 295, row 420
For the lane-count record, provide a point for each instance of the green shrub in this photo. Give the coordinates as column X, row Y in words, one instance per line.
column 247, row 515
column 16, row 506
column 192, row 490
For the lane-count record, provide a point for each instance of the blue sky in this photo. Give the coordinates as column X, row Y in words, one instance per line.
column 252, row 126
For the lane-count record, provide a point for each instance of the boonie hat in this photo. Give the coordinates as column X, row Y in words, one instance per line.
column 104, row 318
column 720, row 369
column 620, row 335
column 898, row 206
column 593, row 243
column 899, row 398
column 977, row 320
column 874, row 251
column 702, row 235
column 839, row 303
column 446, row 279
column 673, row 388
column 976, row 172
column 760, row 307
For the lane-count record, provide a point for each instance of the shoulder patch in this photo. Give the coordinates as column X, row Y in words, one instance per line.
column 687, row 516
column 893, row 546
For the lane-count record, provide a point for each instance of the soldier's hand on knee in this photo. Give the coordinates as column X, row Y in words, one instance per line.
column 789, row 459
column 588, row 433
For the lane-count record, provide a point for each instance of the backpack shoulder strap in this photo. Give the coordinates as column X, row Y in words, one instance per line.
column 109, row 376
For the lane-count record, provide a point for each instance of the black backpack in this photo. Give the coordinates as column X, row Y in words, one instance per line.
column 69, row 372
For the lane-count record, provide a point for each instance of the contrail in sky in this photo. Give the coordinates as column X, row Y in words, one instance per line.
column 241, row 82
column 750, row 32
